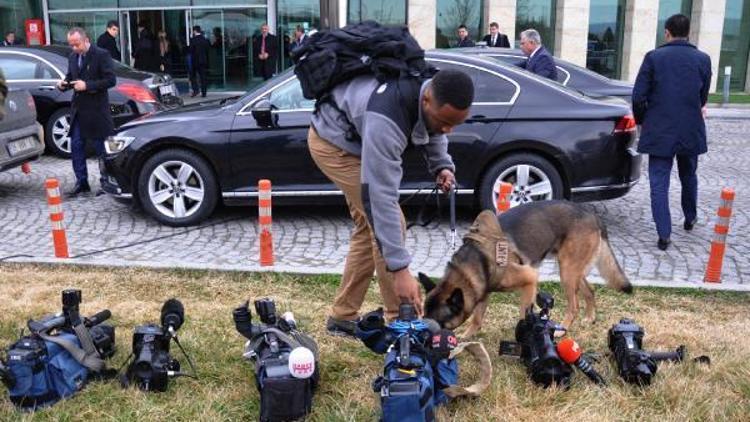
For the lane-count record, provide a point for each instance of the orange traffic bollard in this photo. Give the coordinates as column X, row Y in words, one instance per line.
column 503, row 197
column 54, row 200
column 26, row 168
column 264, row 222
column 718, row 245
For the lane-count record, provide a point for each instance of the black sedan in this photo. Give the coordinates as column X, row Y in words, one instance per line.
column 568, row 74
column 548, row 140
column 37, row 69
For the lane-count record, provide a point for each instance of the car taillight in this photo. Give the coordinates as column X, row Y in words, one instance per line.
column 136, row 92
column 625, row 124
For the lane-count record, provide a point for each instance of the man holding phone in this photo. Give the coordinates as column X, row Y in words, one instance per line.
column 90, row 75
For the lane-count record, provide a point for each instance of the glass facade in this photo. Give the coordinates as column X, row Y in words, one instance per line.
column 13, row 13
column 735, row 45
column 539, row 15
column 385, row 12
column 289, row 14
column 453, row 13
column 606, row 28
column 668, row 8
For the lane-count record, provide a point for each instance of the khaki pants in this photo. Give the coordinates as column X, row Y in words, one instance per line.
column 364, row 257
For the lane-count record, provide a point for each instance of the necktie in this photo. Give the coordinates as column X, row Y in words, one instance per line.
column 494, row 38
column 263, row 45
column 80, row 61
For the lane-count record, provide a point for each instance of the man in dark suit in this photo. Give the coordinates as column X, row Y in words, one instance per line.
column 539, row 60
column 108, row 40
column 90, row 75
column 199, row 48
column 265, row 53
column 10, row 39
column 495, row 38
column 299, row 37
column 668, row 98
column 463, row 37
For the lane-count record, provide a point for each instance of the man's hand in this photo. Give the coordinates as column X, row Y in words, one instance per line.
column 407, row 289
column 704, row 112
column 61, row 84
column 79, row 85
column 445, row 180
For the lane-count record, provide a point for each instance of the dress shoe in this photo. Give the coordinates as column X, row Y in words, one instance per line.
column 194, row 94
column 203, row 95
column 80, row 187
column 100, row 192
column 663, row 244
column 689, row 224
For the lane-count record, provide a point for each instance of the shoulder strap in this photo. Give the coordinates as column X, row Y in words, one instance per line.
column 91, row 361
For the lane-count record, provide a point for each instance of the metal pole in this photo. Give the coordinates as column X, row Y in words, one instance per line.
column 727, row 80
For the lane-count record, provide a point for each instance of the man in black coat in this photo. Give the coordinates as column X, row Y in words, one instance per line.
column 90, row 75
column 265, row 53
column 199, row 48
column 495, row 38
column 463, row 37
column 670, row 92
column 108, row 40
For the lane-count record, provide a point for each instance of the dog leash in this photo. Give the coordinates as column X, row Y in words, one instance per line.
column 452, row 201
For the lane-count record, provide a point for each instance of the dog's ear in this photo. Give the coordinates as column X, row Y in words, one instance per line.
column 456, row 301
column 426, row 282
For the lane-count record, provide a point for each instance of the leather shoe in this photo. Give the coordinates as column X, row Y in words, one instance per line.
column 689, row 225
column 80, row 187
column 100, row 192
column 194, row 94
column 663, row 244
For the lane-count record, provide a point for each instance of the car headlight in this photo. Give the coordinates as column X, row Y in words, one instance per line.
column 115, row 144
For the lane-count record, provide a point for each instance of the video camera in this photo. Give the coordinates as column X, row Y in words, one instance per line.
column 152, row 365
column 286, row 361
column 634, row 364
column 535, row 345
column 62, row 352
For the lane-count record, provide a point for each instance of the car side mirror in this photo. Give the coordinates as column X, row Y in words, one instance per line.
column 263, row 113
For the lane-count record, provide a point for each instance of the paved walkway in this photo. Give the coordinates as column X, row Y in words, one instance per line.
column 314, row 239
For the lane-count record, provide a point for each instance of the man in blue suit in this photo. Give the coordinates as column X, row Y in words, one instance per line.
column 90, row 75
column 668, row 98
column 539, row 60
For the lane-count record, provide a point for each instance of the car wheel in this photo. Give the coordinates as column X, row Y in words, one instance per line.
column 57, row 133
column 533, row 179
column 177, row 187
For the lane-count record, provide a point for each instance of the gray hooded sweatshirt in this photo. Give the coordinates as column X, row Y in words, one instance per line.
column 386, row 117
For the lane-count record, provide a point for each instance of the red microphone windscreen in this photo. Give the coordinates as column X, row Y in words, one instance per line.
column 568, row 350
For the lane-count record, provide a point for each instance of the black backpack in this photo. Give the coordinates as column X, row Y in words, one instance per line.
column 331, row 57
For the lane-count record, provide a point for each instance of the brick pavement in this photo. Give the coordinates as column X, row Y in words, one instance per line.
column 315, row 239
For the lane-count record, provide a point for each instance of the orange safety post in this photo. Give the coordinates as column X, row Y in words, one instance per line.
column 54, row 200
column 264, row 222
column 26, row 168
column 503, row 197
column 718, row 245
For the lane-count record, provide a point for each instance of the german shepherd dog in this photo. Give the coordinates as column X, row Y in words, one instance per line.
column 504, row 252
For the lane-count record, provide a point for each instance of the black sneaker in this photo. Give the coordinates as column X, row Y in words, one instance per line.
column 689, row 225
column 341, row 327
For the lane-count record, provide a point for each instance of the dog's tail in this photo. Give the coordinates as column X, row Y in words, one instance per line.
column 609, row 268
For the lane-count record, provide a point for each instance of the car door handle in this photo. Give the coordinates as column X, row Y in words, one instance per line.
column 47, row 88
column 477, row 118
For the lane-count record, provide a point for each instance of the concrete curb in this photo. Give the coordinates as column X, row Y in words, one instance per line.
column 679, row 284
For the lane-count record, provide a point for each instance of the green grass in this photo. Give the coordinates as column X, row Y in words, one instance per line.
column 713, row 323
column 734, row 98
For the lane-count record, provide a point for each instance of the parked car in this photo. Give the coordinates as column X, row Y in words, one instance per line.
column 568, row 74
column 38, row 69
column 21, row 137
column 548, row 140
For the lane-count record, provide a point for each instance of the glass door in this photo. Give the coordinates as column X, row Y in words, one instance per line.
column 230, row 33
column 125, row 37
column 290, row 14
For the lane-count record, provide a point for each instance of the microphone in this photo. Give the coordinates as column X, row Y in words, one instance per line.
column 97, row 318
column 172, row 315
column 570, row 352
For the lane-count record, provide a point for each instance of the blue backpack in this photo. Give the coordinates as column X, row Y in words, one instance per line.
column 414, row 373
column 43, row 372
